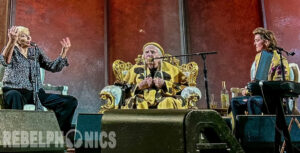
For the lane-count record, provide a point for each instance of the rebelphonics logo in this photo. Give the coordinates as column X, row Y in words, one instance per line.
column 92, row 139
column 46, row 139
column 32, row 139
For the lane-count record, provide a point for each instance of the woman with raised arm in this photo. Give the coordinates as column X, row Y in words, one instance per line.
column 18, row 58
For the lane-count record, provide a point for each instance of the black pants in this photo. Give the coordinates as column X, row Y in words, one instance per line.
column 63, row 106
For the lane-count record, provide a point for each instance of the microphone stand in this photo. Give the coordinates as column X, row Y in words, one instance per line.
column 203, row 55
column 35, row 78
column 282, row 68
column 280, row 117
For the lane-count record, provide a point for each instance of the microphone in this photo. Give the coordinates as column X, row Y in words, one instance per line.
column 35, row 48
column 261, row 83
column 281, row 49
column 291, row 53
column 33, row 44
column 150, row 59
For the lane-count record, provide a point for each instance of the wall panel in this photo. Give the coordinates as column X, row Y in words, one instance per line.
column 225, row 27
column 133, row 23
column 4, row 20
column 83, row 22
column 214, row 25
column 283, row 18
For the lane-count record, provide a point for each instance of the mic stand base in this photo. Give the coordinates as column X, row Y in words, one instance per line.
column 280, row 118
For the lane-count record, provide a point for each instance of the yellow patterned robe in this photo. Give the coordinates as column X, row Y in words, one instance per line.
column 275, row 70
column 164, row 98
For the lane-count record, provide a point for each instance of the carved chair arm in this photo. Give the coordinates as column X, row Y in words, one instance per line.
column 112, row 96
column 191, row 95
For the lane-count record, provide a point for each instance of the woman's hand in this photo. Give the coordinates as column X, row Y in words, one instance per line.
column 146, row 83
column 159, row 82
column 244, row 91
column 13, row 34
column 66, row 44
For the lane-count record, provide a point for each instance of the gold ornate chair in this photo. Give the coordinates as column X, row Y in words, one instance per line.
column 114, row 95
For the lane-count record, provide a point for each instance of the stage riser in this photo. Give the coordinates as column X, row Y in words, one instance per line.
column 257, row 132
column 30, row 131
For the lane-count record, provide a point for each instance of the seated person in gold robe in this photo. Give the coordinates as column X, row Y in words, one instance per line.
column 156, row 83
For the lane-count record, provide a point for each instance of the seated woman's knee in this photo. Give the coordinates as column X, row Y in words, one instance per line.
column 13, row 100
column 71, row 102
column 255, row 105
column 12, row 93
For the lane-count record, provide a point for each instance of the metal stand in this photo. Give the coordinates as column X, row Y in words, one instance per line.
column 35, row 80
column 280, row 117
column 203, row 55
column 205, row 80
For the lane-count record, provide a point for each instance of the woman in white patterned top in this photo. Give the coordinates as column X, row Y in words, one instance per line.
column 18, row 58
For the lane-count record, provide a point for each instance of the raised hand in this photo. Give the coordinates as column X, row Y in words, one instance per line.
column 158, row 82
column 13, row 34
column 66, row 44
column 146, row 83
